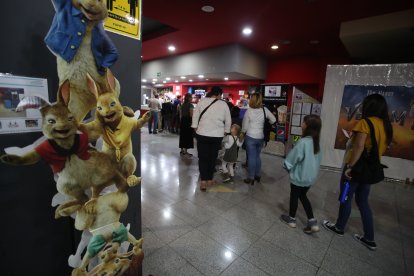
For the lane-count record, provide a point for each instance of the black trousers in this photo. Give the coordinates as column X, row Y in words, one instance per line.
column 207, row 148
column 297, row 192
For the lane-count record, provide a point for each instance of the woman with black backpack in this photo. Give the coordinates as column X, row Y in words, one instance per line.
column 372, row 134
column 253, row 128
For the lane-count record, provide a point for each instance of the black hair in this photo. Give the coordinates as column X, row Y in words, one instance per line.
column 235, row 111
column 313, row 129
column 216, row 91
column 375, row 105
column 187, row 98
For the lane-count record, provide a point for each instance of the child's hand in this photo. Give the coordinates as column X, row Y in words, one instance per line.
column 241, row 136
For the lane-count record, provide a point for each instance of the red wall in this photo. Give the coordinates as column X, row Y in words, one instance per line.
column 306, row 73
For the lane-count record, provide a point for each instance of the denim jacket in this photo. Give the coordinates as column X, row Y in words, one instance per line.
column 67, row 31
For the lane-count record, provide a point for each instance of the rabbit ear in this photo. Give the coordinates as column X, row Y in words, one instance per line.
column 64, row 93
column 110, row 79
column 91, row 85
column 31, row 102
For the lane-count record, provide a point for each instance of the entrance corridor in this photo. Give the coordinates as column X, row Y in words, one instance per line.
column 234, row 229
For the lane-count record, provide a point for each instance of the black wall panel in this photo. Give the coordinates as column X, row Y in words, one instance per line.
column 32, row 242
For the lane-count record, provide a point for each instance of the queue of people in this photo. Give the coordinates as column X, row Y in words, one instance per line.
column 214, row 125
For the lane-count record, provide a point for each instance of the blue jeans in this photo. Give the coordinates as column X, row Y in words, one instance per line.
column 361, row 192
column 153, row 120
column 253, row 148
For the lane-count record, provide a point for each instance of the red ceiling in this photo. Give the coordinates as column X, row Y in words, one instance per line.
column 273, row 21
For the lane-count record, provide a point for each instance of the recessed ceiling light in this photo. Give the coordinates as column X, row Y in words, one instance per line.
column 154, row 79
column 153, row 82
column 247, row 31
column 200, row 76
column 183, row 77
column 144, row 80
column 226, row 78
column 176, row 80
column 164, row 82
column 207, row 8
column 206, row 79
column 167, row 78
column 171, row 48
column 286, row 42
column 274, row 47
column 190, row 80
column 314, row 42
column 144, row 86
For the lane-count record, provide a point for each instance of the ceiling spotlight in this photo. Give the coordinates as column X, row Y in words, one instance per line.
column 200, row 76
column 207, row 8
column 171, row 48
column 143, row 86
column 286, row 42
column 274, row 47
column 154, row 79
column 144, row 80
column 247, row 31
column 176, row 80
column 167, row 78
column 164, row 82
column 314, row 42
column 153, row 82
column 182, row 77
column 226, row 78
column 190, row 80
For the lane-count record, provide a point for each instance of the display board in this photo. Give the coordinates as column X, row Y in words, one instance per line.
column 339, row 76
column 12, row 90
column 275, row 98
column 302, row 105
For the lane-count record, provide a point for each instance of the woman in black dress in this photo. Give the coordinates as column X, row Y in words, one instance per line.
column 186, row 132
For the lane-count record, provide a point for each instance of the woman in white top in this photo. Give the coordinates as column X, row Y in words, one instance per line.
column 210, row 126
column 252, row 127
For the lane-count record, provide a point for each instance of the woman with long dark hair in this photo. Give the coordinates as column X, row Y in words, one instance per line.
column 186, row 133
column 375, row 109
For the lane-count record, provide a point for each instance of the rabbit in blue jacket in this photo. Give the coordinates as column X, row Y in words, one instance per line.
column 81, row 46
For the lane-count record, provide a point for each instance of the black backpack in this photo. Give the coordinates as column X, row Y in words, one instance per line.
column 267, row 128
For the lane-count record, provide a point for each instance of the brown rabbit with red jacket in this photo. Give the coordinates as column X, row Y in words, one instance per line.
column 78, row 167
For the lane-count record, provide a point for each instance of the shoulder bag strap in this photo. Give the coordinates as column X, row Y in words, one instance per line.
column 373, row 139
column 205, row 109
column 264, row 116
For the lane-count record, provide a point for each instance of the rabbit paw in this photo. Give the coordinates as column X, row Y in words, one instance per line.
column 90, row 206
column 79, row 272
column 133, row 180
column 128, row 111
column 10, row 159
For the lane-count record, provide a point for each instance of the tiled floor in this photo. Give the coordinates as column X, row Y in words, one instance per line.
column 234, row 229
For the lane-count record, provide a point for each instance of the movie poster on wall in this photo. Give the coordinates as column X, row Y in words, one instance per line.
column 12, row 90
column 400, row 100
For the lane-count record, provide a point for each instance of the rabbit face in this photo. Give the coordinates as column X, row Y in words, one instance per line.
column 94, row 10
column 109, row 107
column 58, row 122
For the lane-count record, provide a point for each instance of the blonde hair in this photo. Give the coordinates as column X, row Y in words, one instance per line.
column 237, row 127
column 255, row 101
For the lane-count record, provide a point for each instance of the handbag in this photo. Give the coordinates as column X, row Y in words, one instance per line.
column 267, row 128
column 368, row 169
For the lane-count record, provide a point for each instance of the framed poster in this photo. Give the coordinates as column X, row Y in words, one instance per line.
column 12, row 90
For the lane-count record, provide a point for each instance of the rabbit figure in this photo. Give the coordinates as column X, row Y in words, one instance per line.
column 107, row 234
column 77, row 166
column 114, row 127
column 80, row 44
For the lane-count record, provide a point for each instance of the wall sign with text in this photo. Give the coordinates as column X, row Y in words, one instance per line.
column 124, row 17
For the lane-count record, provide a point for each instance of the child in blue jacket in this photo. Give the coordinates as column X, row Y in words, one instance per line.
column 303, row 163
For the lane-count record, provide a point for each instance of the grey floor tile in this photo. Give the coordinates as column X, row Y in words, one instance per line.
column 210, row 200
column 151, row 242
column 241, row 267
column 383, row 259
column 166, row 226
column 186, row 270
column 163, row 262
column 277, row 261
column 228, row 234
column 322, row 272
column 311, row 248
column 206, row 255
column 247, row 220
column 232, row 197
column 338, row 263
column 192, row 213
column 260, row 209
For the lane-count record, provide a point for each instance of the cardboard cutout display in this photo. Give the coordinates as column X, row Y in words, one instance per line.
column 84, row 53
